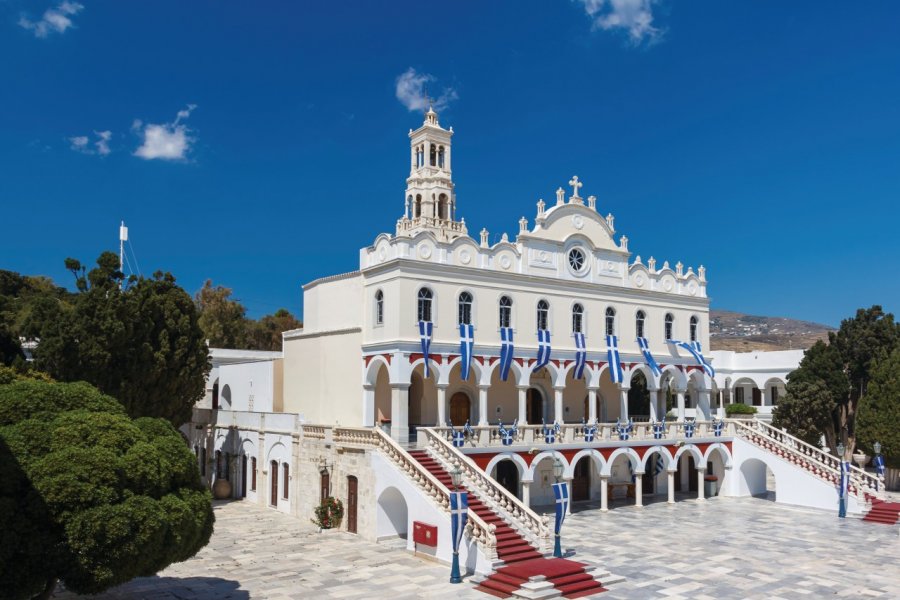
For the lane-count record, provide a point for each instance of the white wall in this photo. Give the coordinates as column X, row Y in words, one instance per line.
column 251, row 385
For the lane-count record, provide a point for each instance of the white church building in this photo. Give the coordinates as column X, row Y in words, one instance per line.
column 556, row 354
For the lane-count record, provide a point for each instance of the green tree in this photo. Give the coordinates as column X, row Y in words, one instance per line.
column 806, row 411
column 878, row 419
column 140, row 342
column 265, row 334
column 89, row 496
column 221, row 318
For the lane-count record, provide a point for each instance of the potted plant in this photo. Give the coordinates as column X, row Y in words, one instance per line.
column 739, row 411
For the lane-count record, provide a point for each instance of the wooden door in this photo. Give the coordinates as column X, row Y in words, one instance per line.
column 692, row 474
column 324, row 486
column 535, row 402
column 273, row 474
column 351, row 503
column 460, row 409
column 581, row 482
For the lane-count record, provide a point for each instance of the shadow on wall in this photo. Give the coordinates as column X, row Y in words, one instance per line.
column 189, row 588
column 393, row 514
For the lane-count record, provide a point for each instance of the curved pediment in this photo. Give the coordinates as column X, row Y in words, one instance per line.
column 565, row 221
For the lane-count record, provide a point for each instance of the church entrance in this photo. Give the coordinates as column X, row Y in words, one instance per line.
column 508, row 476
column 535, row 406
column 460, row 409
column 581, row 480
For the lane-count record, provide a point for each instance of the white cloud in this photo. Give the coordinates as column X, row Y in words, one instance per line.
column 82, row 143
column 54, row 20
column 634, row 16
column 412, row 89
column 169, row 141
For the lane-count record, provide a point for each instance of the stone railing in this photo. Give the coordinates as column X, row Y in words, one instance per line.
column 574, row 433
column 814, row 460
column 494, row 495
column 484, row 534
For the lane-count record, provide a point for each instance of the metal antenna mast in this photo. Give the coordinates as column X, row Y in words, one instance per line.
column 123, row 237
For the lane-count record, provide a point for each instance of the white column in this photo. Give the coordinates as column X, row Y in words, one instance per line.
column 368, row 405
column 671, row 475
column 654, row 400
column 526, row 493
column 623, row 404
column 638, row 489
column 592, row 405
column 441, row 405
column 558, row 405
column 703, row 404
column 482, row 405
column 680, row 394
column 568, row 481
column 604, row 493
column 701, row 474
column 400, row 412
column 523, row 410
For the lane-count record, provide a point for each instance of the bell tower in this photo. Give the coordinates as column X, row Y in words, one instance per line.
column 430, row 199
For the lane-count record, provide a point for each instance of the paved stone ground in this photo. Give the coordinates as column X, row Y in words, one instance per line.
column 718, row 548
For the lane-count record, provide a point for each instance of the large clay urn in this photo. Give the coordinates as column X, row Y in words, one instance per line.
column 222, row 489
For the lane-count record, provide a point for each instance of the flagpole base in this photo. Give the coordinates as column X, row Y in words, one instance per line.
column 454, row 569
column 557, row 548
column 842, row 509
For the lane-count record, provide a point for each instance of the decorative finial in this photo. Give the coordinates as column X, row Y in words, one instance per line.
column 679, row 268
column 504, row 238
column 623, row 242
column 560, row 196
column 665, row 265
column 637, row 259
column 592, row 202
column 523, row 225
column 484, row 238
column 702, row 273
column 610, row 220
column 575, row 185
column 651, row 264
column 541, row 205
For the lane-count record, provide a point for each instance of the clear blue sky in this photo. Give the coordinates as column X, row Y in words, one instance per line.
column 761, row 139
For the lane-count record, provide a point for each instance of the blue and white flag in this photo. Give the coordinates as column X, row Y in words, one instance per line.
column 689, row 425
column 466, row 343
column 659, row 429
column 458, row 437
column 580, row 355
column 645, row 350
column 589, row 430
column 612, row 355
column 718, row 425
column 879, row 468
column 468, row 429
column 561, row 492
column 660, row 464
column 506, row 351
column 506, row 435
column 543, row 355
column 844, row 488
column 695, row 349
column 425, row 330
column 624, row 429
column 549, row 433
column 459, row 514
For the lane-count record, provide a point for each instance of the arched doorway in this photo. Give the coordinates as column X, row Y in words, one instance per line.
column 639, row 398
column 507, row 475
column 393, row 515
column 534, row 406
column 686, row 480
column 581, row 480
column 460, row 408
column 273, row 475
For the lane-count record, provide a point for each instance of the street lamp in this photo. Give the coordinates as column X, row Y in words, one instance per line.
column 455, row 477
column 557, row 468
column 877, row 447
column 840, row 450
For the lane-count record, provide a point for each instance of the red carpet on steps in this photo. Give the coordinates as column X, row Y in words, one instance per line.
column 883, row 512
column 522, row 559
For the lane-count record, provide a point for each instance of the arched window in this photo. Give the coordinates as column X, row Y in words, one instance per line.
column 670, row 320
column 379, row 307
column 505, row 311
column 693, row 329
column 441, row 157
column 577, row 318
column 425, row 304
column 418, row 212
column 433, row 154
column 285, row 485
column 543, row 313
column 639, row 323
column 610, row 321
column 465, row 308
column 442, row 206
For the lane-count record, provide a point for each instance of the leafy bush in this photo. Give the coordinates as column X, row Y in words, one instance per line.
column 739, row 409
column 329, row 513
column 88, row 495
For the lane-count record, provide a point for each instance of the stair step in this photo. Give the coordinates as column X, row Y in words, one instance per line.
column 599, row 589
column 570, row 579
column 520, row 556
column 581, row 586
column 508, row 579
column 481, row 587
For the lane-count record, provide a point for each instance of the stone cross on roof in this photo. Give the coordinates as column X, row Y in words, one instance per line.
column 575, row 185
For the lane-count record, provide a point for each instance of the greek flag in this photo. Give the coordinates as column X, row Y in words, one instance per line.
column 466, row 343
column 580, row 355
column 549, row 433
column 659, row 429
column 879, row 468
column 660, row 464
column 624, row 429
column 425, row 330
column 844, row 488
column 695, row 349
column 468, row 429
column 612, row 354
column 506, row 351
column 689, row 425
column 561, row 492
column 506, row 435
column 458, row 437
column 645, row 350
column 718, row 424
column 459, row 514
column 589, row 430
column 543, row 355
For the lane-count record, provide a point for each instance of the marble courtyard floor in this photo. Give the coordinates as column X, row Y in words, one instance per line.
column 718, row 548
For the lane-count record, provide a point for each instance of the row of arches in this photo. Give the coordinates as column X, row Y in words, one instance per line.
column 439, row 207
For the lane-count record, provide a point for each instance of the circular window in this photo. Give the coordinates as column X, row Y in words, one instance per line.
column 577, row 260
